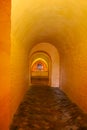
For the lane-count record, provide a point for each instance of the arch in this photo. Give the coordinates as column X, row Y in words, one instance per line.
column 37, row 57
column 52, row 53
column 40, row 72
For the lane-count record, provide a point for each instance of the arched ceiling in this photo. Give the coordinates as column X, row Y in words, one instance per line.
column 39, row 56
column 60, row 22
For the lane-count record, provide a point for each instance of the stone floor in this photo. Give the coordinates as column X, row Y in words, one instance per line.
column 48, row 108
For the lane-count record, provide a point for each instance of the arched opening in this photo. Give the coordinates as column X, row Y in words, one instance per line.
column 40, row 68
column 50, row 54
column 40, row 72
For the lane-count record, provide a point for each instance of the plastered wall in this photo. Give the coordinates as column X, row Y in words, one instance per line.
column 19, row 76
column 5, row 22
column 74, row 75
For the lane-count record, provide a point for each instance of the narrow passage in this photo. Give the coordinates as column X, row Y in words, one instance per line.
column 48, row 108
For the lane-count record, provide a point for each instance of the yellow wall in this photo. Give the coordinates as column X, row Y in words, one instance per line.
column 4, row 64
column 74, row 75
column 61, row 23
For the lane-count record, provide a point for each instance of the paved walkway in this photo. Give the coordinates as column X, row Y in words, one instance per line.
column 47, row 108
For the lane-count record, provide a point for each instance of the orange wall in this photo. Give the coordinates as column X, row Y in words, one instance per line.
column 4, row 64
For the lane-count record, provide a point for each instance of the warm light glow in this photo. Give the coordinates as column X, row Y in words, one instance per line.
column 39, row 59
column 34, row 66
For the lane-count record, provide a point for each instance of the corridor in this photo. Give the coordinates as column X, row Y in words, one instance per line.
column 43, row 42
column 48, row 108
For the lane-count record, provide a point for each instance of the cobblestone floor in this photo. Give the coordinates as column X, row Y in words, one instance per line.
column 47, row 108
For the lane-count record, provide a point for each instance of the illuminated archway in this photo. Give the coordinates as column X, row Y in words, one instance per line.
column 40, row 72
column 39, row 68
column 40, row 60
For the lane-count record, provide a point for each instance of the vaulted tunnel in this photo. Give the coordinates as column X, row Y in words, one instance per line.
column 60, row 23
column 36, row 23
